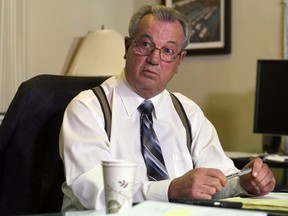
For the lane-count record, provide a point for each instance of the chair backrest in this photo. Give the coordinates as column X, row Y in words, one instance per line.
column 31, row 171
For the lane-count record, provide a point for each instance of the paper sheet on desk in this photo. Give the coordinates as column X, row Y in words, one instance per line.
column 84, row 213
column 272, row 201
column 235, row 155
column 278, row 158
column 172, row 209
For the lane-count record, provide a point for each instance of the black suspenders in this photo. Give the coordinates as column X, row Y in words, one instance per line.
column 99, row 92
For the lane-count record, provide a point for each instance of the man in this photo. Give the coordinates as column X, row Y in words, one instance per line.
column 154, row 52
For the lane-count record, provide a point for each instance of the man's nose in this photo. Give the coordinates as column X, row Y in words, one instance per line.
column 154, row 57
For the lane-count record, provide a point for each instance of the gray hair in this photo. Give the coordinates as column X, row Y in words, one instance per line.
column 162, row 13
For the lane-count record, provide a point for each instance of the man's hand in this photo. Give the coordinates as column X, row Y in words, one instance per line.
column 261, row 181
column 200, row 183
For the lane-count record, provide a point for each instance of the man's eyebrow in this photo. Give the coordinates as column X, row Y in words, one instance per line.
column 146, row 36
column 172, row 42
column 151, row 39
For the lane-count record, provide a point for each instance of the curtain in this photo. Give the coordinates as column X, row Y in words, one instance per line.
column 12, row 49
column 286, row 29
column 285, row 57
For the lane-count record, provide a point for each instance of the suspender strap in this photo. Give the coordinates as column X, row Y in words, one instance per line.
column 181, row 112
column 99, row 92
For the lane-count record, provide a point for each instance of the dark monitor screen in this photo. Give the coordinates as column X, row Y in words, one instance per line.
column 271, row 102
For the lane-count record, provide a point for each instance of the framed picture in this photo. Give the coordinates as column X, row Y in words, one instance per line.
column 211, row 25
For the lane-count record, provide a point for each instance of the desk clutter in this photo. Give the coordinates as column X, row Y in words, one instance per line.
column 271, row 202
column 265, row 157
column 172, row 209
column 273, row 160
column 276, row 157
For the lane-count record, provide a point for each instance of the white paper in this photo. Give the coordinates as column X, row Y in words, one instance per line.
column 275, row 157
column 232, row 154
column 173, row 209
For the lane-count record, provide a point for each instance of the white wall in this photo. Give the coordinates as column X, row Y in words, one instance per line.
column 56, row 25
column 223, row 85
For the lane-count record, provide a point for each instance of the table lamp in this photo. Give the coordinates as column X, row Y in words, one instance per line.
column 100, row 54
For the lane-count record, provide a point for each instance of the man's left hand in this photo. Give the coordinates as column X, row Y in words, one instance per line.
column 261, row 181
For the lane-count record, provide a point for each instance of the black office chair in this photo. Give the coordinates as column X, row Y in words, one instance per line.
column 31, row 171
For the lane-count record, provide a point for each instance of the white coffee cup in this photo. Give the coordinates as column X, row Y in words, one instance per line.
column 119, row 178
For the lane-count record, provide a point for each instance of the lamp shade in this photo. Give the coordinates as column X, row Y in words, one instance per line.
column 100, row 54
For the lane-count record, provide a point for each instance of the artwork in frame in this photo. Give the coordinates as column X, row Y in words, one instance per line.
column 211, row 25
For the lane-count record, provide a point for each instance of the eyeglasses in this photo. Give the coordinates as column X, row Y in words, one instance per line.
column 145, row 48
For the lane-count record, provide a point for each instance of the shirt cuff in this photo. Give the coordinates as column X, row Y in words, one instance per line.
column 158, row 191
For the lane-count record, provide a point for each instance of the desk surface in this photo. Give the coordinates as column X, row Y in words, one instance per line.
column 240, row 159
column 241, row 162
column 168, row 209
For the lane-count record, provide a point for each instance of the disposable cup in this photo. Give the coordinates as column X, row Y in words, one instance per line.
column 119, row 176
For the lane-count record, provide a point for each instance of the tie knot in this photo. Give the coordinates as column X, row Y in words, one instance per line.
column 146, row 107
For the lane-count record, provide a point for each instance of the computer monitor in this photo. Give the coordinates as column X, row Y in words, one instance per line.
column 271, row 99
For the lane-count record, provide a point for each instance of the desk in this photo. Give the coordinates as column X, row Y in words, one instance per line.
column 169, row 209
column 241, row 162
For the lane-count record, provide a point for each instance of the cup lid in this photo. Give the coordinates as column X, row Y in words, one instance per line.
column 120, row 162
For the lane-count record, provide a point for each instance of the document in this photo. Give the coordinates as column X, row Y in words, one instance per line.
column 277, row 158
column 235, row 155
column 174, row 209
column 272, row 201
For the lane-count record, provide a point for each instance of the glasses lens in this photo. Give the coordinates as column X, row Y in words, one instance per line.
column 146, row 48
column 168, row 54
column 166, row 57
column 142, row 50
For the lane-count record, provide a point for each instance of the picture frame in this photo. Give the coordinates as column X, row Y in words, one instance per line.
column 211, row 25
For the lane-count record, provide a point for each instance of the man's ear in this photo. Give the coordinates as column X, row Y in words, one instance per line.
column 181, row 57
column 183, row 54
column 127, row 45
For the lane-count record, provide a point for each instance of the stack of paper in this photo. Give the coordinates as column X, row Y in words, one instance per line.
column 272, row 201
column 276, row 157
column 172, row 209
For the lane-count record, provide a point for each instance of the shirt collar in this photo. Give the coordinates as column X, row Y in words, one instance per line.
column 131, row 100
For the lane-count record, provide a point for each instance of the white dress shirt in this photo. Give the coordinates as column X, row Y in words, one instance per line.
column 84, row 144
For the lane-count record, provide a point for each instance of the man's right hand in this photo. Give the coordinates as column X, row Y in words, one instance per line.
column 200, row 183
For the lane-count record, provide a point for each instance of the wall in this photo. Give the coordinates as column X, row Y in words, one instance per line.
column 55, row 27
column 223, row 85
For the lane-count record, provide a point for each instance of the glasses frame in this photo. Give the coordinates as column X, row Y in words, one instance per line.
column 160, row 52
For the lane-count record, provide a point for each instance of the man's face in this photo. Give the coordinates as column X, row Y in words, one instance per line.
column 149, row 75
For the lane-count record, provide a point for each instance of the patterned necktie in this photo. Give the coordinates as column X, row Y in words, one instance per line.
column 151, row 150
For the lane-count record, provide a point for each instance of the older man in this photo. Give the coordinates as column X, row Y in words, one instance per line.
column 155, row 47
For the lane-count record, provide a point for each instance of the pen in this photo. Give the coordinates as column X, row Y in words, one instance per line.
column 241, row 173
